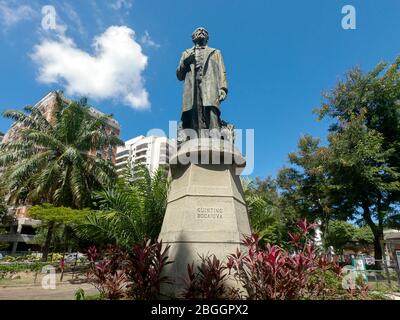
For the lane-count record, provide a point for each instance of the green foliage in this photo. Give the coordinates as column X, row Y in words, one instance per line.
column 22, row 267
column 263, row 206
column 52, row 161
column 4, row 245
column 306, row 189
column 62, row 220
column 364, row 235
column 80, row 294
column 339, row 234
column 3, row 205
column 356, row 176
column 3, row 208
column 365, row 143
column 64, row 215
column 129, row 212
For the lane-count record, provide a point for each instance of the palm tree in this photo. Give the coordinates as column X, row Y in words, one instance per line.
column 130, row 211
column 264, row 212
column 52, row 161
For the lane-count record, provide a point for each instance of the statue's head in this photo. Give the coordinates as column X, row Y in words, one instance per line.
column 200, row 36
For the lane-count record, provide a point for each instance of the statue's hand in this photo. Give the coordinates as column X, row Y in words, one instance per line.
column 190, row 58
column 222, row 95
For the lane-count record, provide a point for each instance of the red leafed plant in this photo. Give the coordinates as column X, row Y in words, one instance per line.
column 144, row 265
column 272, row 273
column 208, row 281
column 102, row 274
column 135, row 274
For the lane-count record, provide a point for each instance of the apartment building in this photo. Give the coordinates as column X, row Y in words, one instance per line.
column 152, row 151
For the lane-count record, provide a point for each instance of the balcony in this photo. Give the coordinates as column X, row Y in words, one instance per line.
column 142, row 147
column 141, row 157
column 121, row 160
column 123, row 153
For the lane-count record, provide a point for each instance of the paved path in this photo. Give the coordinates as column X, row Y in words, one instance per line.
column 394, row 295
column 62, row 292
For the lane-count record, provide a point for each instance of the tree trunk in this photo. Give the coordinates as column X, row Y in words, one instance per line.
column 378, row 235
column 48, row 240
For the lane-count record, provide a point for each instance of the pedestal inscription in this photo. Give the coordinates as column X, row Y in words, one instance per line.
column 209, row 213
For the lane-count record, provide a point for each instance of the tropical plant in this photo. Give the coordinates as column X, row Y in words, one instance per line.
column 134, row 274
column 144, row 269
column 208, row 281
column 103, row 275
column 265, row 216
column 54, row 160
column 3, row 205
column 3, row 210
column 129, row 212
column 271, row 272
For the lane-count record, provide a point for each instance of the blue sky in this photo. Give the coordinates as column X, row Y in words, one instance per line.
column 280, row 56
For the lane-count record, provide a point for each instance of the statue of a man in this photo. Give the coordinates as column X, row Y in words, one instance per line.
column 203, row 70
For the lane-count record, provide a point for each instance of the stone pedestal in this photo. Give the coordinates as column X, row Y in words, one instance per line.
column 206, row 211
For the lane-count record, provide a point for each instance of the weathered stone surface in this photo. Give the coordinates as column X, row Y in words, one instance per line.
column 206, row 211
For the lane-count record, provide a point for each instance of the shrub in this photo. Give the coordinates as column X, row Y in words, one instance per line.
column 264, row 271
column 81, row 295
column 272, row 273
column 135, row 274
column 209, row 281
column 104, row 276
column 143, row 269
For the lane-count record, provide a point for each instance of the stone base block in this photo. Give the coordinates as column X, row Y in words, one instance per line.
column 206, row 214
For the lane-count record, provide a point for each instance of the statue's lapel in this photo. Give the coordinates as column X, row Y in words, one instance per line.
column 209, row 52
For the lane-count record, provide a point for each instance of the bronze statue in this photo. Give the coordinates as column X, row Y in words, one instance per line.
column 203, row 71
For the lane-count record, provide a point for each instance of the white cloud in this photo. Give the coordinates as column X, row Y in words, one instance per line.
column 119, row 4
column 148, row 41
column 114, row 71
column 10, row 14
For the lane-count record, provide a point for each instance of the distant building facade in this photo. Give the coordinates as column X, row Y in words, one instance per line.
column 21, row 231
column 152, row 152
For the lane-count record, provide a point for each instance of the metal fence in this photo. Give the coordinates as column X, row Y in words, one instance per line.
column 386, row 276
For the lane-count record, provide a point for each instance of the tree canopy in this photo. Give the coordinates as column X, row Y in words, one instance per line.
column 53, row 161
column 356, row 175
